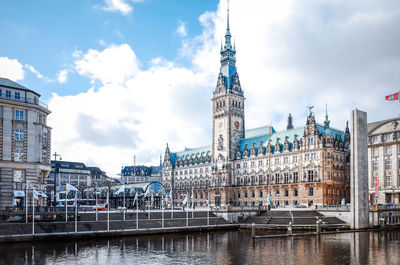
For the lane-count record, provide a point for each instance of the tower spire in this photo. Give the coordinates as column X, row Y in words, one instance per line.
column 227, row 27
column 228, row 36
column 327, row 121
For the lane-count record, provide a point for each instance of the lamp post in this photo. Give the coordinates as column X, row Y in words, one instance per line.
column 55, row 178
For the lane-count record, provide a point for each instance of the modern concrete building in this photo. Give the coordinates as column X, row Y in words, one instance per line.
column 384, row 161
column 25, row 141
column 307, row 164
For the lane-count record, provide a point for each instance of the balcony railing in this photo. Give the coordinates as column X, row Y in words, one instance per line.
column 33, row 101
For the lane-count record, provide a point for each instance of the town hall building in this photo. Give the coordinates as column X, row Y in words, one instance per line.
column 306, row 165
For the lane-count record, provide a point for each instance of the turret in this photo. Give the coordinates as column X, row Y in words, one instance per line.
column 290, row 122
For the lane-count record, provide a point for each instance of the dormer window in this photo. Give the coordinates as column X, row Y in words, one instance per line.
column 8, row 94
column 17, row 95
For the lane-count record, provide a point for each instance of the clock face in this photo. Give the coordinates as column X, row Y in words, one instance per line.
column 236, row 124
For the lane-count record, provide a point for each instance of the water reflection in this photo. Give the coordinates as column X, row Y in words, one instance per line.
column 234, row 247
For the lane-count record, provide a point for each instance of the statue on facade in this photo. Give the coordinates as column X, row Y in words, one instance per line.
column 220, row 142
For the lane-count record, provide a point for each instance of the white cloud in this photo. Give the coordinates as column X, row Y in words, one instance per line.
column 181, row 29
column 289, row 55
column 121, row 6
column 62, row 76
column 33, row 70
column 113, row 65
column 11, row 69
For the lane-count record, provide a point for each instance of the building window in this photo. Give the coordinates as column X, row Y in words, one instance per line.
column 8, row 94
column 296, row 192
column 260, row 163
column 277, row 193
column 238, row 194
column 286, row 178
column 237, row 166
column 277, row 178
column 374, row 139
column 253, row 164
column 1, row 92
column 311, row 192
column 17, row 95
column 388, row 181
column 295, row 177
column 261, row 193
column 388, row 164
column 286, row 193
column 253, row 194
column 386, row 137
column 276, row 161
column 245, row 194
column 244, row 165
column 19, row 115
column 310, row 175
column 18, row 154
column 285, row 160
column 388, row 150
column 18, row 176
column 375, row 165
column 375, row 152
column 19, row 135
column 307, row 157
column 294, row 159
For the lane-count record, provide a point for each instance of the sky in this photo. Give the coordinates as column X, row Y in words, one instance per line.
column 124, row 77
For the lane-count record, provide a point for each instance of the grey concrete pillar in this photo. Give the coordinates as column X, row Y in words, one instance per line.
column 359, row 170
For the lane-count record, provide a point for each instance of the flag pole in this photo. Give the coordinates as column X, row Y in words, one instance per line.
column 66, row 203
column 208, row 212
column 172, row 203
column 148, row 206
column 33, row 212
column 97, row 218
column 192, row 202
column 76, row 212
column 187, row 210
column 162, row 211
column 123, row 209
column 137, row 214
column 26, row 202
column 108, row 209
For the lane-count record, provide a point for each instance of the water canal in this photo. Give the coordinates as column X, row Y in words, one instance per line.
column 225, row 247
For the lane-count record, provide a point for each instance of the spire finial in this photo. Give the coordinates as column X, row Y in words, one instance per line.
column 326, row 111
column 228, row 36
column 326, row 122
column 228, row 17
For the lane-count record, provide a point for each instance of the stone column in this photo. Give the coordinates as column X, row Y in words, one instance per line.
column 359, row 170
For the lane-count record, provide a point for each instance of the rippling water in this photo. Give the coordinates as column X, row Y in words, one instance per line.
column 229, row 247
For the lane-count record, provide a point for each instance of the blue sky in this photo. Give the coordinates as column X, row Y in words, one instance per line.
column 45, row 34
column 124, row 77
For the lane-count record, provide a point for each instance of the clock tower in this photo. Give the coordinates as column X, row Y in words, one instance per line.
column 228, row 120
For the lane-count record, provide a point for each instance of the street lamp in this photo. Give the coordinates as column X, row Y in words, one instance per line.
column 55, row 179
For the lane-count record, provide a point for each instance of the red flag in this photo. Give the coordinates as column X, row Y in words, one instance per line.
column 394, row 96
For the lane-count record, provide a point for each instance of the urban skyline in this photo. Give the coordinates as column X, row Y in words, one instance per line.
column 162, row 93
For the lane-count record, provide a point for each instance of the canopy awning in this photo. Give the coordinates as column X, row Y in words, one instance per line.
column 19, row 193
